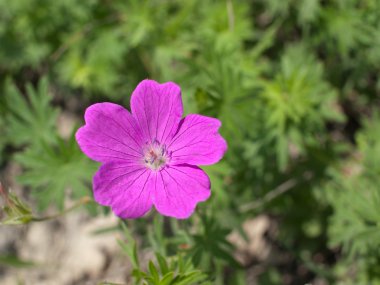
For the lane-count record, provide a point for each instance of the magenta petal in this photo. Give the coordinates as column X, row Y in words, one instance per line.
column 178, row 189
column 125, row 187
column 197, row 141
column 157, row 108
column 110, row 133
column 148, row 156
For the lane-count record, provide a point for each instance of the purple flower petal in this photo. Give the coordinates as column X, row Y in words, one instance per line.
column 148, row 156
column 178, row 189
column 110, row 133
column 157, row 109
column 125, row 187
column 197, row 141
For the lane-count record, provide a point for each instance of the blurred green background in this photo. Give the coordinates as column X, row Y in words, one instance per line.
column 295, row 83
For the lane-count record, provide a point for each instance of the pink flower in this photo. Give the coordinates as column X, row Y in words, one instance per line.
column 149, row 157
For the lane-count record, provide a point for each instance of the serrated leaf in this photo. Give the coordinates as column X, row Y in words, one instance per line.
column 31, row 119
column 53, row 169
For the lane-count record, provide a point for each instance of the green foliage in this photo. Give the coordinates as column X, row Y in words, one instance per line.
column 174, row 270
column 52, row 169
column 32, row 119
column 97, row 69
column 355, row 198
column 211, row 245
column 298, row 102
column 30, row 31
column 48, row 159
column 293, row 82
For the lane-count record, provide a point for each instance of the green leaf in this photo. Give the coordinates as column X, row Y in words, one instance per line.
column 154, row 273
column 29, row 119
column 51, row 170
column 191, row 278
column 162, row 263
column 297, row 104
column 167, row 279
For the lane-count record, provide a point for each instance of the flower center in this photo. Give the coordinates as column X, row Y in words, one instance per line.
column 155, row 155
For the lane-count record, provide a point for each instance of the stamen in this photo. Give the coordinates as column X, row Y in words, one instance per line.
column 156, row 155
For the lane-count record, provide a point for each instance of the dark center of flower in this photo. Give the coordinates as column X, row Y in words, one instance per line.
column 156, row 155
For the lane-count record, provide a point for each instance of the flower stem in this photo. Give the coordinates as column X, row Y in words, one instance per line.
column 83, row 201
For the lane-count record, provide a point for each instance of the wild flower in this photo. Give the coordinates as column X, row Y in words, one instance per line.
column 150, row 156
